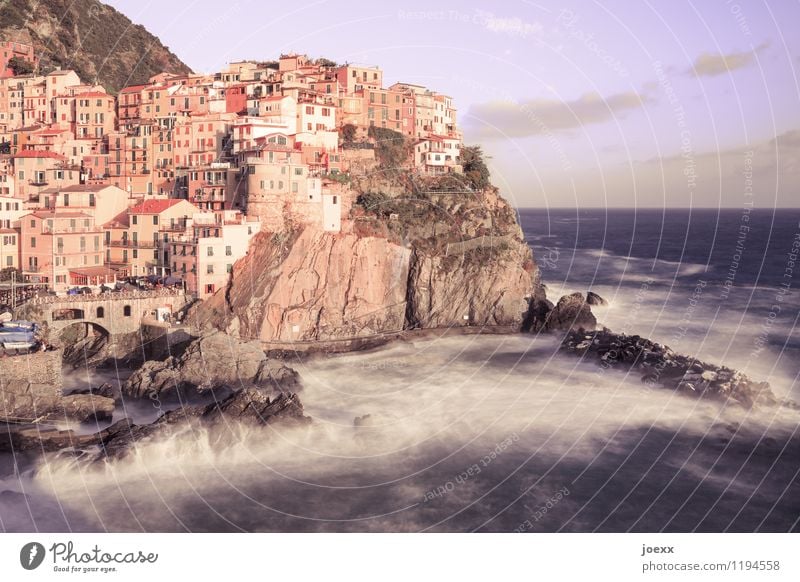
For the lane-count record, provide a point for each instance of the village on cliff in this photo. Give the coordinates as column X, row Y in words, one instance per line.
column 172, row 179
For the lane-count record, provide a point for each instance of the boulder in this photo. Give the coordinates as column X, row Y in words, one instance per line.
column 593, row 298
column 572, row 312
column 84, row 408
column 254, row 406
column 209, row 362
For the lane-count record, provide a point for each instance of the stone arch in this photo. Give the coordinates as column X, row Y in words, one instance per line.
column 67, row 314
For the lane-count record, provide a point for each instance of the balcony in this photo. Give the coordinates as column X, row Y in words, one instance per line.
column 132, row 244
column 172, row 228
column 71, row 229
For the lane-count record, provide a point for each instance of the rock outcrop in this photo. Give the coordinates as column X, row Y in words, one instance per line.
column 456, row 261
column 84, row 408
column 211, row 361
column 660, row 366
column 593, row 298
column 30, row 385
column 572, row 312
column 248, row 406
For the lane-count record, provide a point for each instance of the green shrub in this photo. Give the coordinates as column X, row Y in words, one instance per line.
column 20, row 66
column 391, row 147
column 475, row 170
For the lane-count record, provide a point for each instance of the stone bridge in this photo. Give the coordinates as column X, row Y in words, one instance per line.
column 115, row 314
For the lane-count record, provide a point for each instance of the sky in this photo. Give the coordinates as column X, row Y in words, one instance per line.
column 576, row 103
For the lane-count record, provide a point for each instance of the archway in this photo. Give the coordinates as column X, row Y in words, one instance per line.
column 84, row 344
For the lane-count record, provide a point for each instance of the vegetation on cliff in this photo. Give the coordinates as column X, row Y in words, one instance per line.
column 100, row 44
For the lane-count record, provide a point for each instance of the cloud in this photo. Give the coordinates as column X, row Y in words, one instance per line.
column 510, row 26
column 713, row 64
column 547, row 116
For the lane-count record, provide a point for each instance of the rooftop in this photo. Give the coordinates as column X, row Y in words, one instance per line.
column 154, row 206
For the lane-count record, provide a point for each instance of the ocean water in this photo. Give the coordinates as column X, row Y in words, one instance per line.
column 720, row 284
column 502, row 433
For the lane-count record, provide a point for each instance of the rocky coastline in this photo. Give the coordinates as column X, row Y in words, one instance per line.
column 217, row 382
column 461, row 267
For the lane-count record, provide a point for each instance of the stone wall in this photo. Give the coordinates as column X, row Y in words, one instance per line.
column 30, row 385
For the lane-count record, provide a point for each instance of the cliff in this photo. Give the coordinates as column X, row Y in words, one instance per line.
column 401, row 262
column 97, row 42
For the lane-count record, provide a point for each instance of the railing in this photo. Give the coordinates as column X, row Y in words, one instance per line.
column 109, row 296
column 70, row 229
column 132, row 244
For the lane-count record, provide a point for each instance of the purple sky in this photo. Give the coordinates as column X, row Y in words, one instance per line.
column 578, row 103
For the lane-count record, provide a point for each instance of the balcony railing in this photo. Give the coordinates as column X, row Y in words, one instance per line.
column 132, row 244
column 71, row 229
column 172, row 228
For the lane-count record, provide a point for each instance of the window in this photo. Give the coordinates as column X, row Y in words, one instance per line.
column 229, row 268
column 209, row 288
column 228, row 251
column 33, row 242
column 126, row 311
column 210, row 251
column 134, row 219
column 210, row 269
column 101, row 313
column 91, row 199
column 155, row 219
column 135, row 253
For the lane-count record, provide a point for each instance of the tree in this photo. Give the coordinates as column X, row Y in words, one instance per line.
column 392, row 148
column 475, row 170
column 323, row 62
column 5, row 274
column 20, row 66
column 348, row 133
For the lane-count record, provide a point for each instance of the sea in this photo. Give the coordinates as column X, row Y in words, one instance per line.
column 504, row 433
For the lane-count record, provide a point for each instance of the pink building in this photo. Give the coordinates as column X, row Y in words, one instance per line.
column 18, row 50
column 62, row 249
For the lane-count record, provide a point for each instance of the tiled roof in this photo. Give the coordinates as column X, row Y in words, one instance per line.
column 37, row 154
column 133, row 88
column 154, row 206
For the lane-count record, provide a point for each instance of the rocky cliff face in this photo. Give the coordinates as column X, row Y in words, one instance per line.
column 455, row 261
